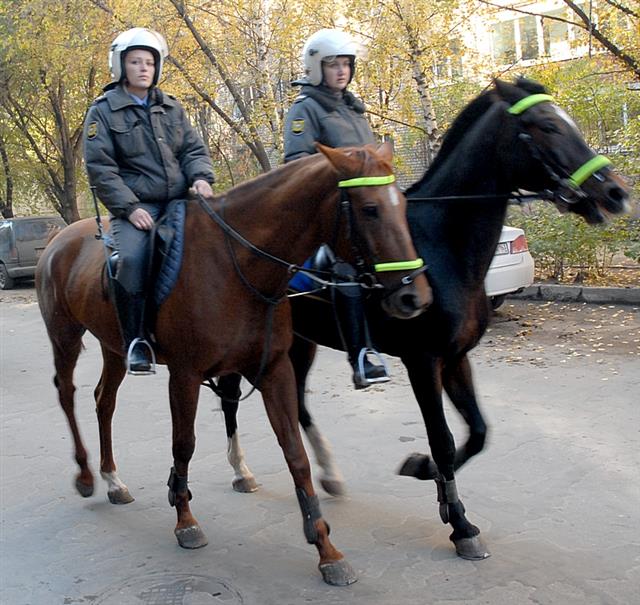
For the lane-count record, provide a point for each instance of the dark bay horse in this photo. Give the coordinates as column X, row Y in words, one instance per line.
column 510, row 137
column 223, row 315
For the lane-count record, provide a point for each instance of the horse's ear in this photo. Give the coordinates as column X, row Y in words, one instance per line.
column 507, row 91
column 385, row 150
column 342, row 160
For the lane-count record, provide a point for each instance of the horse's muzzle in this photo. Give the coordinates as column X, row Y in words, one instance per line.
column 409, row 301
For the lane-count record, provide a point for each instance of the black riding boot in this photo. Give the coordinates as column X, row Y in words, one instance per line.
column 138, row 352
column 351, row 319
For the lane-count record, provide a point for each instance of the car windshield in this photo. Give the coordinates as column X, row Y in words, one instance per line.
column 35, row 230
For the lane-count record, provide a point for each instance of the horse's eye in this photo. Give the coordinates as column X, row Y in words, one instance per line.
column 549, row 128
column 370, row 211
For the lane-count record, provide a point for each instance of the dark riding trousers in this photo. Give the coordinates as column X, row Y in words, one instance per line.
column 134, row 250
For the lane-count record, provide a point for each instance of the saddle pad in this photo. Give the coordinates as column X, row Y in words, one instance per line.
column 301, row 282
column 169, row 248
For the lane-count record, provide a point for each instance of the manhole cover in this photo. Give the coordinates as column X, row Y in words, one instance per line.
column 175, row 589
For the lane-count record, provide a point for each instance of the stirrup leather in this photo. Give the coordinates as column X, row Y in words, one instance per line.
column 143, row 342
column 361, row 357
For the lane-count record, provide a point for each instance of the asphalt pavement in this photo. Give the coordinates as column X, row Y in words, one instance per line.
column 555, row 493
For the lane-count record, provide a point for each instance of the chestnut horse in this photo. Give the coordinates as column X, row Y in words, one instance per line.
column 223, row 314
column 510, row 137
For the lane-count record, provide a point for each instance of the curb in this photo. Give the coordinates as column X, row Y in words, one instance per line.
column 598, row 295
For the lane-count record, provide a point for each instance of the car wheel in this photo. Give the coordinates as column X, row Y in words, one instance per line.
column 6, row 281
column 496, row 301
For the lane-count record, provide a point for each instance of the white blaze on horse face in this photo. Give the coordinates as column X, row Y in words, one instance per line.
column 395, row 196
column 565, row 116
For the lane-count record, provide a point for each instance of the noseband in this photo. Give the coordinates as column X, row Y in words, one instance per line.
column 568, row 186
column 367, row 279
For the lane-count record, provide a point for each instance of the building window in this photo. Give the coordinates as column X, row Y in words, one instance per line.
column 555, row 33
column 504, row 44
column 529, row 37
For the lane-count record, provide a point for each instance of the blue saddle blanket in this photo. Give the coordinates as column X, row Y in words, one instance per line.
column 302, row 282
column 168, row 250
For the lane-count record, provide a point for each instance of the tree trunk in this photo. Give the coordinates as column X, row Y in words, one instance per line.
column 6, row 202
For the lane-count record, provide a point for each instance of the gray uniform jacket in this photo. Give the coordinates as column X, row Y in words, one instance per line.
column 318, row 114
column 141, row 154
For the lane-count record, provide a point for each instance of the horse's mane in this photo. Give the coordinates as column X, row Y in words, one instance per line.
column 465, row 120
column 274, row 177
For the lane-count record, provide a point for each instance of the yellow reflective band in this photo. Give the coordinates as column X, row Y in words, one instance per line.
column 367, row 181
column 523, row 104
column 588, row 169
column 402, row 265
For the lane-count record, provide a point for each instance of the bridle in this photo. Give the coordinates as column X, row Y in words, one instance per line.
column 568, row 189
column 568, row 186
column 367, row 279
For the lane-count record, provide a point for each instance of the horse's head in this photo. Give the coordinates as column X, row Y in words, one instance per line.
column 378, row 225
column 553, row 155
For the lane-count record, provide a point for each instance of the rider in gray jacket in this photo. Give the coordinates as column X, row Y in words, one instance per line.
column 325, row 111
column 140, row 153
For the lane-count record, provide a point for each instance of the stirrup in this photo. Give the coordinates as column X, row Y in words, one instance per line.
column 152, row 355
column 364, row 381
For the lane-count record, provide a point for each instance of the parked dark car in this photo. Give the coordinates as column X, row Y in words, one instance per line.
column 22, row 240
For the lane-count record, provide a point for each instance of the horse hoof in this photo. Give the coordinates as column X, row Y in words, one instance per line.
column 191, row 537
column 245, row 485
column 333, row 487
column 419, row 466
column 472, row 549
column 338, row 573
column 120, row 496
column 83, row 489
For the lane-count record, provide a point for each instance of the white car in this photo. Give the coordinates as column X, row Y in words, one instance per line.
column 512, row 266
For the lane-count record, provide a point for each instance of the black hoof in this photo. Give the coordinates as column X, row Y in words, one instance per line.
column 333, row 487
column 191, row 537
column 338, row 573
column 83, row 489
column 245, row 485
column 419, row 466
column 121, row 496
column 472, row 549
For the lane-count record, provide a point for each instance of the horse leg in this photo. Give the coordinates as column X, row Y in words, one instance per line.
column 457, row 380
column 113, row 371
column 302, row 354
column 184, row 389
column 278, row 392
column 425, row 374
column 243, row 479
column 67, row 344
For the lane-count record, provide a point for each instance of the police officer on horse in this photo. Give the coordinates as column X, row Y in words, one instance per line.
column 326, row 112
column 140, row 152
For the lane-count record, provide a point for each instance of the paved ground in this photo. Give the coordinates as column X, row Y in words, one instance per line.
column 555, row 493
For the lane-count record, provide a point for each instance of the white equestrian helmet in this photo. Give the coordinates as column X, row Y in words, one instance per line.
column 327, row 44
column 138, row 37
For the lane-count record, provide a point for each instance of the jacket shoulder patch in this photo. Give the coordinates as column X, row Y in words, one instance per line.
column 92, row 130
column 297, row 126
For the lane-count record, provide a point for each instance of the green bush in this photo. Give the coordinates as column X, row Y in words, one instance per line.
column 558, row 242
